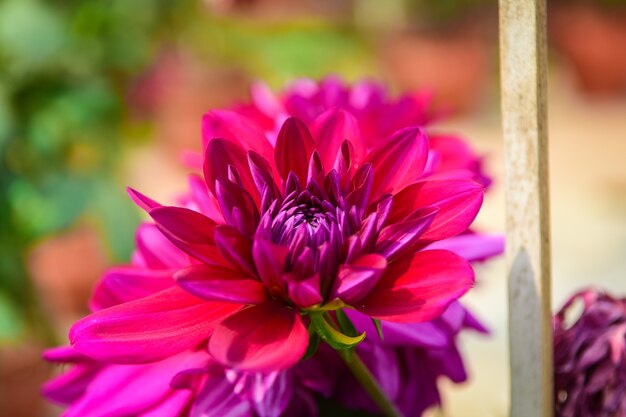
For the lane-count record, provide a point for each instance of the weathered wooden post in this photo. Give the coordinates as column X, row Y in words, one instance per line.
column 523, row 69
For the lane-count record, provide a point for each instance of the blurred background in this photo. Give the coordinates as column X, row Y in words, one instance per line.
column 96, row 95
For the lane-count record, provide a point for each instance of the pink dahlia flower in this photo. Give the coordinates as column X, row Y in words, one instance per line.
column 590, row 356
column 314, row 221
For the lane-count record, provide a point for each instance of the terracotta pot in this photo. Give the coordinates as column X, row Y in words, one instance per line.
column 593, row 41
column 455, row 66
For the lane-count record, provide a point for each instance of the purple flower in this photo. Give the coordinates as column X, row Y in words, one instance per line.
column 590, row 357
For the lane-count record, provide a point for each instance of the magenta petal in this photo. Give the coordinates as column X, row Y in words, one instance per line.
column 266, row 337
column 398, row 161
column 330, row 129
column 175, row 404
column 155, row 251
column 219, row 283
column 148, row 329
column 123, row 284
column 235, row 247
column 305, row 293
column 141, row 200
column 68, row 387
column 125, row 390
column 458, row 202
column 293, row 149
column 269, row 259
column 400, row 238
column 238, row 206
column 235, row 128
column 472, row 246
column 419, row 288
column 206, row 202
column 188, row 230
column 222, row 156
column 355, row 280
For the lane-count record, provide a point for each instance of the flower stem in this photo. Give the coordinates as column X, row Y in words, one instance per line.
column 369, row 383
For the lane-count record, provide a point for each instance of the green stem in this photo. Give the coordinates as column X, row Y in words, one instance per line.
column 369, row 383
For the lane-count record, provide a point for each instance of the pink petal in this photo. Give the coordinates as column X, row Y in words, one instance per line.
column 306, row 292
column 188, row 230
column 401, row 238
column 123, row 284
column 155, row 251
column 293, row 150
column 355, row 280
column 219, row 283
column 70, row 386
column 266, row 337
column 329, row 131
column 458, row 202
column 235, row 247
column 123, row 390
column 148, row 329
column 262, row 174
column 237, row 129
column 472, row 246
column 206, row 202
column 270, row 259
column 398, row 161
column 419, row 288
column 220, row 157
column 141, row 200
column 237, row 205
column 175, row 404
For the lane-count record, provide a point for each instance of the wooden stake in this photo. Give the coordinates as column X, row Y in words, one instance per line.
column 523, row 71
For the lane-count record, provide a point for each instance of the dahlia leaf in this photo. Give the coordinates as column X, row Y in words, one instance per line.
column 332, row 336
column 379, row 328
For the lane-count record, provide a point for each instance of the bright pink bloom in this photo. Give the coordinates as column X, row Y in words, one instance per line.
column 313, row 219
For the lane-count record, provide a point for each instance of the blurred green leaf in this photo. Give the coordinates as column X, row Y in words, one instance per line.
column 11, row 324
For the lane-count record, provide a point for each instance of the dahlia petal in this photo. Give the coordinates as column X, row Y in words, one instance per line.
column 221, row 160
column 293, row 149
column 236, row 129
column 398, row 161
column 68, row 387
column 400, row 238
column 148, row 329
column 218, row 398
column 235, row 247
column 329, row 131
column 262, row 174
column 238, row 207
column 64, row 354
column 458, row 202
column 190, row 231
column 155, row 251
column 355, row 280
column 141, row 200
column 455, row 153
column 265, row 337
column 123, row 390
column 206, row 202
column 419, row 288
column 473, row 247
column 269, row 259
column 175, row 404
column 271, row 393
column 219, row 283
column 306, row 292
column 123, row 284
